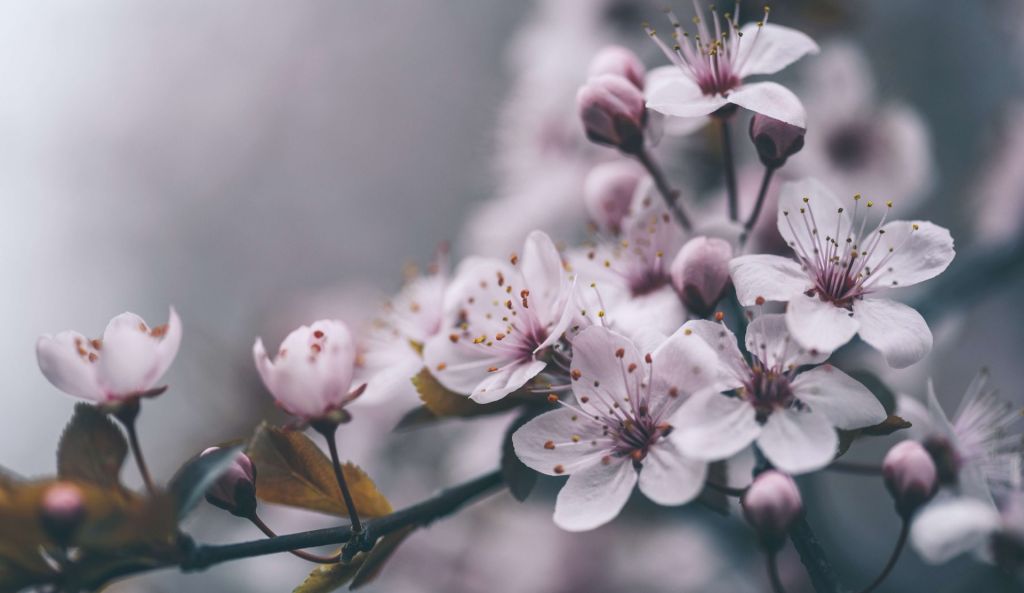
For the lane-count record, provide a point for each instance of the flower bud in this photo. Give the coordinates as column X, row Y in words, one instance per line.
column 615, row 59
column 608, row 193
column 62, row 512
column 235, row 489
column 775, row 140
column 771, row 505
column 910, row 475
column 613, row 112
column 700, row 273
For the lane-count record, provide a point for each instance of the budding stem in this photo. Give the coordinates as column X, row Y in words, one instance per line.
column 773, row 572
column 852, row 467
column 670, row 195
column 332, row 559
column 126, row 414
column 761, row 195
column 895, row 556
column 727, row 490
column 730, row 168
column 328, row 430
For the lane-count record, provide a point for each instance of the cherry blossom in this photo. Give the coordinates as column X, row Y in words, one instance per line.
column 126, row 363
column 502, row 320
column 709, row 68
column 836, row 288
column 620, row 432
column 954, row 526
column 792, row 415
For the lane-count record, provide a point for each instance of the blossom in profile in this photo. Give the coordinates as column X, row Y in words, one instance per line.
column 837, row 287
column 791, row 414
column 709, row 68
column 312, row 375
column 954, row 526
column 502, row 319
column 127, row 362
column 700, row 273
column 620, row 432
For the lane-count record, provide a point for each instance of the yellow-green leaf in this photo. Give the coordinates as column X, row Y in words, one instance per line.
column 379, row 555
column 92, row 448
column 330, row 577
column 445, row 404
column 291, row 470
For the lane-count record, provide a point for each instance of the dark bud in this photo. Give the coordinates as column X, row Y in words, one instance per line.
column 774, row 140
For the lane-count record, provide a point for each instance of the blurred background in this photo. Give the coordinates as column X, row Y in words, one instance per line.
column 261, row 164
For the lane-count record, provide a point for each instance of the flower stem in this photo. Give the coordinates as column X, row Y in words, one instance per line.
column 126, row 414
column 730, row 168
column 332, row 559
column 328, row 430
column 670, row 195
column 761, row 194
column 727, row 490
column 853, row 467
column 773, row 572
column 893, row 558
column 812, row 555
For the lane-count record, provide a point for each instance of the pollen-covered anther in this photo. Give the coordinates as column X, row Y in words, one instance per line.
column 552, row 398
column 559, row 469
column 719, row 316
column 621, row 352
column 575, row 374
column 549, row 445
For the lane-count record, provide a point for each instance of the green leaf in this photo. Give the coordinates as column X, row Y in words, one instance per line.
column 520, row 478
column 194, row 478
column 92, row 448
column 291, row 470
column 379, row 555
column 447, row 404
column 330, row 577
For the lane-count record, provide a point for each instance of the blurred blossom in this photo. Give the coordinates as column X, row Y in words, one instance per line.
column 771, row 505
column 858, row 143
column 618, row 60
column 998, row 190
column 609, row 191
column 613, row 113
column 954, row 526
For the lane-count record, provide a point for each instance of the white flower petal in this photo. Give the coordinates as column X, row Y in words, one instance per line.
column 167, row 348
column 679, row 96
column 768, row 338
column 602, row 378
column 945, row 529
column 819, row 325
column 916, row 413
column 544, row 276
column 770, row 277
column 896, row 330
column 594, row 495
column 63, row 365
column 504, row 381
column 732, row 367
column 547, row 441
column 771, row 99
column 713, row 426
column 797, row 442
column 771, row 48
column 682, row 365
column 797, row 219
column 841, row 398
column 920, row 250
column 670, row 478
column 129, row 358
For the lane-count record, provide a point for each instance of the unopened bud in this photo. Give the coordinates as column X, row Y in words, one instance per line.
column 62, row 512
column 608, row 193
column 775, row 140
column 700, row 273
column 235, row 489
column 771, row 505
column 615, row 59
column 910, row 475
column 613, row 112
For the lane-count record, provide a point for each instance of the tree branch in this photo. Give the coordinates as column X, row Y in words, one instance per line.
column 812, row 555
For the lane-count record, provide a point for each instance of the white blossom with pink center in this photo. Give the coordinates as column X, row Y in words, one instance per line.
column 791, row 414
column 312, row 374
column 502, row 321
column 844, row 268
column 127, row 362
column 709, row 68
column 620, row 431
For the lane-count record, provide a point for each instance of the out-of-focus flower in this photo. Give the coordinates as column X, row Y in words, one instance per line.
column 620, row 431
column 948, row 528
column 857, row 145
column 709, row 69
column 999, row 188
column 235, row 489
column 700, row 273
column 775, row 140
column 62, row 510
column 609, row 191
column 500, row 319
column 792, row 415
column 771, row 505
column 311, row 376
column 620, row 61
column 910, row 476
column 831, row 288
column 126, row 363
column 613, row 113
column 975, row 451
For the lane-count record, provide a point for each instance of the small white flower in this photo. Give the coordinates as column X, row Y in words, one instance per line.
column 835, row 288
column 948, row 528
column 709, row 69
column 620, row 433
column 792, row 415
column 311, row 376
column 500, row 320
column 127, row 362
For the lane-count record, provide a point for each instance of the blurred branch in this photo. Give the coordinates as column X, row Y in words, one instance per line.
column 812, row 555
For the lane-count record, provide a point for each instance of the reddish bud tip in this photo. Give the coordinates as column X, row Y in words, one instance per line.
column 775, row 140
column 235, row 489
column 771, row 505
column 62, row 512
column 700, row 273
column 910, row 475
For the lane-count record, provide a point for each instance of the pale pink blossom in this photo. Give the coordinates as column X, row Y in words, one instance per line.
column 618, row 60
column 953, row 526
column 235, row 489
column 126, row 363
column 608, row 193
column 791, row 415
column 709, row 69
column 502, row 319
column 772, row 504
column 613, row 113
column 312, row 374
column 844, row 267
column 620, row 431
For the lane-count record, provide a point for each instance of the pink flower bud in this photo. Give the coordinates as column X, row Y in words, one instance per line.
column 910, row 475
column 63, row 510
column 613, row 112
column 615, row 59
column 608, row 193
column 771, row 505
column 235, row 489
column 775, row 141
column 700, row 273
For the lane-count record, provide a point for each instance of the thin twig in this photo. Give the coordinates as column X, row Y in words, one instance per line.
column 328, row 431
column 812, row 555
column 332, row 559
column 730, row 169
column 893, row 558
column 126, row 414
column 670, row 195
column 853, row 467
column 759, row 204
